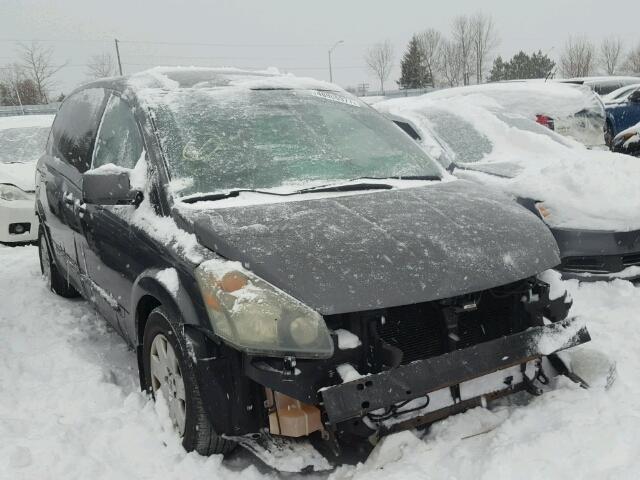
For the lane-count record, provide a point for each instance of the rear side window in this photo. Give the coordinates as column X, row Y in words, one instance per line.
column 74, row 129
column 119, row 141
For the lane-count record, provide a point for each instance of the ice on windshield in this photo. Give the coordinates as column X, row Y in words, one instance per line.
column 236, row 137
column 22, row 145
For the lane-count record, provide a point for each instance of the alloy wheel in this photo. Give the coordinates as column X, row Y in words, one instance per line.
column 166, row 377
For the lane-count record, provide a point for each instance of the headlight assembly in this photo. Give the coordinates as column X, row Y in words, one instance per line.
column 11, row 193
column 258, row 318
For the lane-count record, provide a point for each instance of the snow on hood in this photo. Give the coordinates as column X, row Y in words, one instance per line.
column 25, row 121
column 584, row 189
column 22, row 141
column 22, row 175
column 382, row 249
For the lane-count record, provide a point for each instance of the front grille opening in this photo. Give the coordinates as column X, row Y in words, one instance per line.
column 417, row 330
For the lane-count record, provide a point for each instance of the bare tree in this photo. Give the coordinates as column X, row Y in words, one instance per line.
column 379, row 59
column 577, row 59
column 452, row 63
column 36, row 61
column 101, row 66
column 431, row 44
column 462, row 34
column 632, row 63
column 484, row 41
column 610, row 55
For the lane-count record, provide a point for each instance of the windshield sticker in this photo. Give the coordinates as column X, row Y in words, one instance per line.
column 336, row 98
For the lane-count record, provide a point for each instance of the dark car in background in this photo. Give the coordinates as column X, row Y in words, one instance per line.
column 287, row 263
column 622, row 115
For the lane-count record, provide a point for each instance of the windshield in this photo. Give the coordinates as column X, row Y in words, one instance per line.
column 22, row 145
column 221, row 139
column 467, row 143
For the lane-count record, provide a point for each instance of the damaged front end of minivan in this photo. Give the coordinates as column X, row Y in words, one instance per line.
column 349, row 379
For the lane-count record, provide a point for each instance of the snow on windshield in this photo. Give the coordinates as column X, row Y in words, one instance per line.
column 261, row 132
column 583, row 188
column 23, row 139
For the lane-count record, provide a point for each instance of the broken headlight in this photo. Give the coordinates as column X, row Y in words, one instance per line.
column 258, row 318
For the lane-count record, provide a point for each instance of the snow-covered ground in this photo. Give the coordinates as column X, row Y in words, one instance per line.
column 70, row 407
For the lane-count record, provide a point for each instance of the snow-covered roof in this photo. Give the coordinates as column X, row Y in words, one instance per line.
column 172, row 78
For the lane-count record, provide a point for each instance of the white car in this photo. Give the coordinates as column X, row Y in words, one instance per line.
column 573, row 111
column 22, row 141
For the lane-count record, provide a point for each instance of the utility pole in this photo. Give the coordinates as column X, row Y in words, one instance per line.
column 331, row 50
column 118, row 56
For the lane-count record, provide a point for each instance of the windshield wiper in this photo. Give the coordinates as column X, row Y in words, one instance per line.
column 340, row 187
column 344, row 187
column 433, row 178
column 211, row 197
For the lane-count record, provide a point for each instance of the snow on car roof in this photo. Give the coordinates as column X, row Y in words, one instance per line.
column 586, row 189
column 530, row 98
column 26, row 121
column 172, row 78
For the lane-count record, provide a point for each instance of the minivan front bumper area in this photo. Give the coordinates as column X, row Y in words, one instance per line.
column 509, row 354
column 427, row 390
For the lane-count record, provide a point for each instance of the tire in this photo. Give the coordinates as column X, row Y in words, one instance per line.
column 55, row 281
column 197, row 431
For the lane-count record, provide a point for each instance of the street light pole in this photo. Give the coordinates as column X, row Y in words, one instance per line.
column 331, row 50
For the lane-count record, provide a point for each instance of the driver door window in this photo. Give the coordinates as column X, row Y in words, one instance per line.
column 119, row 141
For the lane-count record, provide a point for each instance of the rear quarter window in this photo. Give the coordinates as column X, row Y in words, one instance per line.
column 74, row 129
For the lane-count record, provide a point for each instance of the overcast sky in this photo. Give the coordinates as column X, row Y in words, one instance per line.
column 293, row 35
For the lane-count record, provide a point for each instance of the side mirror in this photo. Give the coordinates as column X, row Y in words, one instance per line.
column 634, row 97
column 109, row 188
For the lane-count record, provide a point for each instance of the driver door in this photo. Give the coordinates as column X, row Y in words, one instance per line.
column 105, row 248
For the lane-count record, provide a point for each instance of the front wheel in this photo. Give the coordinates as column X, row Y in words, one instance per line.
column 169, row 374
column 55, row 281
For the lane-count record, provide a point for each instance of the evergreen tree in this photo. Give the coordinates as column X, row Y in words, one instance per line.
column 522, row 66
column 413, row 69
column 497, row 72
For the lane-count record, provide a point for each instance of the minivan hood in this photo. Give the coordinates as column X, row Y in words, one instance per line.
column 383, row 249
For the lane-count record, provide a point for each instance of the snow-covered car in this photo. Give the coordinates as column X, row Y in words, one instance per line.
column 628, row 141
column 589, row 198
column 290, row 267
column 620, row 95
column 22, row 142
column 602, row 85
column 573, row 111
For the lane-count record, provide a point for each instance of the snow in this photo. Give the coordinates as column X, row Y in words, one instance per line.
column 528, row 98
column 346, row 339
column 169, row 278
column 70, row 405
column 26, row 121
column 348, row 372
column 584, row 189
